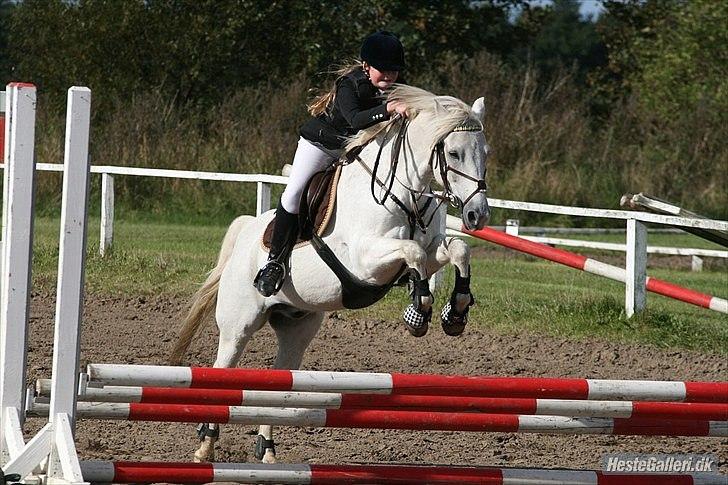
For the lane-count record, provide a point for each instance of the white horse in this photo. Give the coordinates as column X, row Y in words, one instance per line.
column 442, row 140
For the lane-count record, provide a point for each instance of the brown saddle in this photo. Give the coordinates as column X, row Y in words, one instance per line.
column 317, row 207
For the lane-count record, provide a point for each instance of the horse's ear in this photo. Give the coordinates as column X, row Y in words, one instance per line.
column 439, row 107
column 479, row 108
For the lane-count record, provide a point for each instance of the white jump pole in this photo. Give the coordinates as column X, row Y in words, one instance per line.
column 318, row 474
column 17, row 245
column 407, row 384
column 395, row 419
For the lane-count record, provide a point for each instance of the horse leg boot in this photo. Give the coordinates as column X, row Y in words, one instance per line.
column 270, row 278
column 418, row 314
column 455, row 312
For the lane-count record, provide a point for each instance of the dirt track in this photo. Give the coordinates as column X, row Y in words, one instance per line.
column 139, row 330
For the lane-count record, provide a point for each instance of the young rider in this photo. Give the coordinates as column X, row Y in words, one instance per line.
column 355, row 102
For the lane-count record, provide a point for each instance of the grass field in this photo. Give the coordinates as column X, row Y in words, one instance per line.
column 513, row 293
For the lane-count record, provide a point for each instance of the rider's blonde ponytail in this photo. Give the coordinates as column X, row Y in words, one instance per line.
column 324, row 100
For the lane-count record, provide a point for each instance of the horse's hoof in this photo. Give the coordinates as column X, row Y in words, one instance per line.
column 452, row 323
column 417, row 322
column 269, row 457
column 203, row 456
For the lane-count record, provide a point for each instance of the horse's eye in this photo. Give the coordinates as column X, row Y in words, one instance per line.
column 454, row 154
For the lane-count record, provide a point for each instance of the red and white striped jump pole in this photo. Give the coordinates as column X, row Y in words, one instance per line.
column 549, row 407
column 151, row 472
column 408, row 384
column 393, row 419
column 593, row 266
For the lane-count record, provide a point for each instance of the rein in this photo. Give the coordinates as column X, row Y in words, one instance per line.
column 437, row 157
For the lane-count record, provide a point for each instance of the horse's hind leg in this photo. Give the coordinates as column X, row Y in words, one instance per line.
column 294, row 336
column 235, row 333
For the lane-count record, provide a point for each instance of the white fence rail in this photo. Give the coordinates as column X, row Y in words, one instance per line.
column 696, row 254
column 264, row 182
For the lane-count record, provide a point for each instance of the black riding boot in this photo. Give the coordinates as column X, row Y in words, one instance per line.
column 285, row 232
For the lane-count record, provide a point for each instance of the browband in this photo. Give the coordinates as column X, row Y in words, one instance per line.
column 469, row 125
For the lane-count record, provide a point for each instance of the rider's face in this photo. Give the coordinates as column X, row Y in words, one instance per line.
column 381, row 79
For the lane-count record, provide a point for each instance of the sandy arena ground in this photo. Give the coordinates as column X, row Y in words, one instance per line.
column 142, row 330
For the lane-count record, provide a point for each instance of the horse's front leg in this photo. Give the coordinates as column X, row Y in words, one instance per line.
column 455, row 312
column 382, row 252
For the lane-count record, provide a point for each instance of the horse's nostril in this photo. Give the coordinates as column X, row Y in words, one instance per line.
column 472, row 218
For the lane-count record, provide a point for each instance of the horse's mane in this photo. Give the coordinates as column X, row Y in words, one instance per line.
column 446, row 113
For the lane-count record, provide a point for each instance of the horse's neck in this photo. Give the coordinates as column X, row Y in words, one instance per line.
column 357, row 206
column 412, row 171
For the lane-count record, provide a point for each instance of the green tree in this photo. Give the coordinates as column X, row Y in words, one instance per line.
column 560, row 37
column 621, row 27
column 198, row 50
column 684, row 67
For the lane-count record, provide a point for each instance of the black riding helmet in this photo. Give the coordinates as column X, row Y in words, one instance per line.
column 384, row 51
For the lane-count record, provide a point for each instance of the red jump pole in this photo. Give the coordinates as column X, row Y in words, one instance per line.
column 593, row 266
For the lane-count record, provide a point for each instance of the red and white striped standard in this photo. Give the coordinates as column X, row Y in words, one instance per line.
column 589, row 265
column 151, row 472
column 495, row 405
column 394, row 419
column 406, row 384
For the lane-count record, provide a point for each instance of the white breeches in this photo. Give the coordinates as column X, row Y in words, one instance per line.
column 308, row 160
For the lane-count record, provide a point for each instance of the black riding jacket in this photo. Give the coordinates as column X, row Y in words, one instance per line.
column 358, row 104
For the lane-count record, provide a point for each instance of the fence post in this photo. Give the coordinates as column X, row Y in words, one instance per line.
column 107, row 213
column 512, row 227
column 263, row 198
column 696, row 263
column 437, row 279
column 636, row 274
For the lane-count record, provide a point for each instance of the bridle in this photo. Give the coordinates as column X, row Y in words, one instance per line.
column 437, row 157
column 437, row 160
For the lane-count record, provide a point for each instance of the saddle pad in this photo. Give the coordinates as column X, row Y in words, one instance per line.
column 321, row 196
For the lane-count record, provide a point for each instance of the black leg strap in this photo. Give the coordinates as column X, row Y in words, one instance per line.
column 462, row 285
column 9, row 479
column 261, row 445
column 419, row 288
column 205, row 431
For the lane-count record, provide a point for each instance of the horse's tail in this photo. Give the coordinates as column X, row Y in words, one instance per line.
column 204, row 300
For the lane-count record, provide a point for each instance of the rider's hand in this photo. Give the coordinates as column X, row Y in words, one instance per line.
column 398, row 107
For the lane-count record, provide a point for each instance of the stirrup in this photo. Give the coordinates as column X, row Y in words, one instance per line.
column 278, row 284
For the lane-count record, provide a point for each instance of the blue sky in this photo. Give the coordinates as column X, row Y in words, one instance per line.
column 588, row 7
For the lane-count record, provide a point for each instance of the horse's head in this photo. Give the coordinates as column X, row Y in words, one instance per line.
column 447, row 132
column 460, row 167
column 453, row 133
